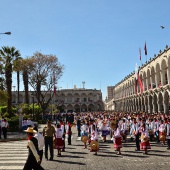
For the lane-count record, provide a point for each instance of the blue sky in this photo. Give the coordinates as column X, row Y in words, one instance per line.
column 96, row 40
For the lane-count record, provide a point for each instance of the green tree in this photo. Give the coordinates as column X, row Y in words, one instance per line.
column 17, row 63
column 44, row 72
column 8, row 55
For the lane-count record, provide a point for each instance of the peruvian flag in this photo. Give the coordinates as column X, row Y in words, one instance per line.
column 145, row 48
column 138, row 81
column 140, row 57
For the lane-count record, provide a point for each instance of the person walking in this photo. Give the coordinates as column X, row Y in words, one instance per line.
column 40, row 139
column 69, row 133
column 62, row 124
column 49, row 133
column 58, row 141
column 33, row 160
column 4, row 126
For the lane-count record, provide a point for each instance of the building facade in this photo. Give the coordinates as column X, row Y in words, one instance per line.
column 154, row 98
column 69, row 99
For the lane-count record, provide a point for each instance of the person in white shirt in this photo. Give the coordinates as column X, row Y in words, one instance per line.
column 4, row 126
column 124, row 130
column 117, row 139
column 58, row 141
column 94, row 137
column 144, row 145
column 40, row 139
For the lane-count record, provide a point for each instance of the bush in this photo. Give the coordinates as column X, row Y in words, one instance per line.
column 13, row 124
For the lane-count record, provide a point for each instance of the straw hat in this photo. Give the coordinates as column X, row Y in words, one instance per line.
column 94, row 145
column 84, row 139
column 30, row 130
column 113, row 124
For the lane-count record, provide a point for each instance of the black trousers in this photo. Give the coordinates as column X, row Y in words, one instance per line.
column 63, row 140
column 79, row 132
column 157, row 136
column 0, row 132
column 40, row 153
column 168, row 143
column 4, row 131
column 137, row 141
column 49, row 143
column 31, row 163
column 69, row 139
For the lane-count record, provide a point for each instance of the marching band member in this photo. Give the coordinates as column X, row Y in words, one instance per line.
column 58, row 141
column 84, row 130
column 117, row 139
column 94, row 137
column 162, row 132
column 168, row 134
column 151, row 124
column 135, row 127
column 144, row 145
column 62, row 125
column 124, row 130
column 69, row 132
column 104, row 130
column 156, row 129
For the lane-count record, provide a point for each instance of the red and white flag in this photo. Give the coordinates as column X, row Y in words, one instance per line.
column 145, row 48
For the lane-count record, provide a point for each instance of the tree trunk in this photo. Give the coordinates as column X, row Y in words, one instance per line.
column 18, row 86
column 25, row 81
column 8, row 74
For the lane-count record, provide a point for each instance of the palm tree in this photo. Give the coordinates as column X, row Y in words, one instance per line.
column 17, row 68
column 8, row 55
column 25, row 81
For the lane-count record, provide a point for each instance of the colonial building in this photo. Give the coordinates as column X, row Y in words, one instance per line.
column 70, row 99
column 154, row 95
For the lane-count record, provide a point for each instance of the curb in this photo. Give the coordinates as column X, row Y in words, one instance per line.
column 14, row 139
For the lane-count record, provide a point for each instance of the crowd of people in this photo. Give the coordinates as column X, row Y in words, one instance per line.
column 141, row 128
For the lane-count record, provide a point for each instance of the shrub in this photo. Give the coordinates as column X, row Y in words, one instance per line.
column 13, row 124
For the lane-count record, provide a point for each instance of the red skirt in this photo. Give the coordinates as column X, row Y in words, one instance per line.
column 118, row 143
column 145, row 145
column 58, row 143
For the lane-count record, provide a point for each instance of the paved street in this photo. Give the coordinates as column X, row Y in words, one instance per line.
column 13, row 155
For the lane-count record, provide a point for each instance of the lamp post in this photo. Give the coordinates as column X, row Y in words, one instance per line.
column 7, row 33
column 33, row 104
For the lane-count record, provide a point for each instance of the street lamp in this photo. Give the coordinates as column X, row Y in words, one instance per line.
column 7, row 33
column 33, row 104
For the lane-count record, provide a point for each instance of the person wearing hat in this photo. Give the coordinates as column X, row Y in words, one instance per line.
column 49, row 133
column 40, row 139
column 33, row 160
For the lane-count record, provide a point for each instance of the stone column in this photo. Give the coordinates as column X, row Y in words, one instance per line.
column 159, row 106
column 168, row 74
column 166, row 107
column 162, row 77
